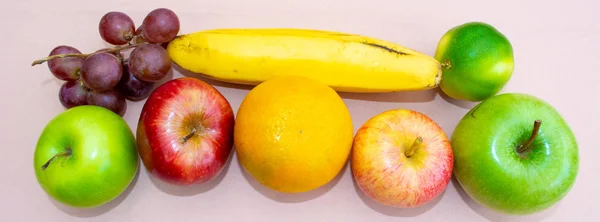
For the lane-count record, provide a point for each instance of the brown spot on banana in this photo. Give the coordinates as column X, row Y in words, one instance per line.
column 385, row 48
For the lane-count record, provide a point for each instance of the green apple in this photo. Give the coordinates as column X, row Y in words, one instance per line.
column 477, row 61
column 85, row 156
column 515, row 153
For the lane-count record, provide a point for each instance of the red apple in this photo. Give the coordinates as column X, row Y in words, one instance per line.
column 185, row 132
column 401, row 158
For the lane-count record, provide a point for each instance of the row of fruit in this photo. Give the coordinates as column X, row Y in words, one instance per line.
column 292, row 132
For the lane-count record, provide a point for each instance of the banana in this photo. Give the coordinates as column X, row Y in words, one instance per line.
column 345, row 62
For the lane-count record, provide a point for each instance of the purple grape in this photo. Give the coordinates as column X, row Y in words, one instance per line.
column 110, row 99
column 116, row 28
column 101, row 71
column 65, row 68
column 160, row 25
column 139, row 38
column 72, row 93
column 132, row 88
column 149, row 62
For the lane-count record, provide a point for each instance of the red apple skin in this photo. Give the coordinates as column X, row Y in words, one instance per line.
column 173, row 111
column 382, row 169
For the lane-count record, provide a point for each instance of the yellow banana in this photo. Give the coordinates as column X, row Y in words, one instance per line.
column 345, row 62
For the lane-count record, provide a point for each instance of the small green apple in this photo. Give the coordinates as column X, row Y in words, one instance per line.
column 85, row 157
column 477, row 61
column 515, row 153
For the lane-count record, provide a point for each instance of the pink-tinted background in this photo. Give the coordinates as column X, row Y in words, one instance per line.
column 556, row 47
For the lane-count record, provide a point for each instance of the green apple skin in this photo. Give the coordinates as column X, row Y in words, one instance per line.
column 477, row 61
column 491, row 171
column 103, row 159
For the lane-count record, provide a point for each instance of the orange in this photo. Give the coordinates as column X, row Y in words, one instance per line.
column 293, row 134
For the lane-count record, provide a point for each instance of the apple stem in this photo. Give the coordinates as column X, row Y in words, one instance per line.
column 187, row 137
column 525, row 146
column 65, row 153
column 411, row 150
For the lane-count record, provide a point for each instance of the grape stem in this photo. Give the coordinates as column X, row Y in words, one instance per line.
column 83, row 56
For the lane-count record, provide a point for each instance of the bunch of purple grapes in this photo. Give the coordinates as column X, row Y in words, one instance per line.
column 106, row 77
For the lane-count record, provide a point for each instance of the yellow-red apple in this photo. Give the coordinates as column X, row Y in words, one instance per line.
column 401, row 158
